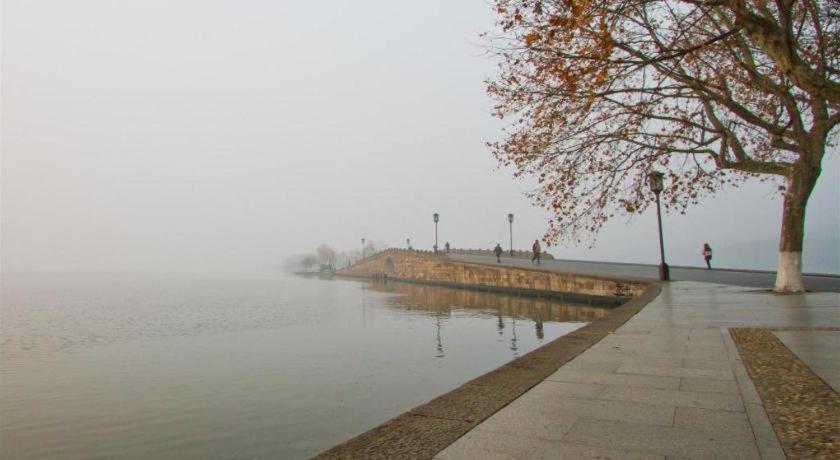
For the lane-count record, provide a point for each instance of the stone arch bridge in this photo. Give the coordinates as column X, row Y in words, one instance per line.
column 436, row 268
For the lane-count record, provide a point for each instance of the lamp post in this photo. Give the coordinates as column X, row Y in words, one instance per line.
column 363, row 248
column 436, row 218
column 510, row 221
column 656, row 186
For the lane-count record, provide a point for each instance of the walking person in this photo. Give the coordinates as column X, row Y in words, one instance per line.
column 707, row 254
column 446, row 246
column 537, row 249
column 498, row 251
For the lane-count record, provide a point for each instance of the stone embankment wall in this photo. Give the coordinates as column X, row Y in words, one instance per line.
column 431, row 268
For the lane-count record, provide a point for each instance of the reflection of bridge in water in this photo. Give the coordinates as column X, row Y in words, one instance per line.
column 441, row 300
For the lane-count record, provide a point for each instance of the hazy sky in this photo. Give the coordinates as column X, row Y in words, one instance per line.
column 223, row 135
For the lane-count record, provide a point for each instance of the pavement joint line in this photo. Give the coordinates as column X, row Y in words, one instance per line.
column 804, row 328
column 674, row 417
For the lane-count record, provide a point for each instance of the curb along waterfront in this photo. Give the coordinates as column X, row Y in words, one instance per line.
column 429, row 428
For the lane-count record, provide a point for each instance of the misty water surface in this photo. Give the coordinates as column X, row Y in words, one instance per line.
column 240, row 368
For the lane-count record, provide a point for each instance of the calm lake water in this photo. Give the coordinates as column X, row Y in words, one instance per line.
column 286, row 367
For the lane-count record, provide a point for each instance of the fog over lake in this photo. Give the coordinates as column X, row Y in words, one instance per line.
column 219, row 137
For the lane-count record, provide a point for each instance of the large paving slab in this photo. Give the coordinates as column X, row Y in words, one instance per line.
column 668, row 383
column 820, row 350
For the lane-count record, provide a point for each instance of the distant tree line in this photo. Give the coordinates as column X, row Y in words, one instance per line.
column 328, row 257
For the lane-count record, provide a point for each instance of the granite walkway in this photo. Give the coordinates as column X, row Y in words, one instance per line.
column 669, row 383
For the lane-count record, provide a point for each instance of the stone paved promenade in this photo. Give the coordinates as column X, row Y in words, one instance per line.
column 670, row 383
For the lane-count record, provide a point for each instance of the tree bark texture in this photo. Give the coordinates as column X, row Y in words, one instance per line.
column 789, row 272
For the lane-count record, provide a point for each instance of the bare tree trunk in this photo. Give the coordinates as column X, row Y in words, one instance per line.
column 789, row 273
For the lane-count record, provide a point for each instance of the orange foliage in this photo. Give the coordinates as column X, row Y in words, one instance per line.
column 603, row 92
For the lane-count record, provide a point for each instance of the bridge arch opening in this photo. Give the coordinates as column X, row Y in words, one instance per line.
column 389, row 266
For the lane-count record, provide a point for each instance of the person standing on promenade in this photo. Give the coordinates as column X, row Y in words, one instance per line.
column 498, row 251
column 446, row 246
column 707, row 254
column 537, row 249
